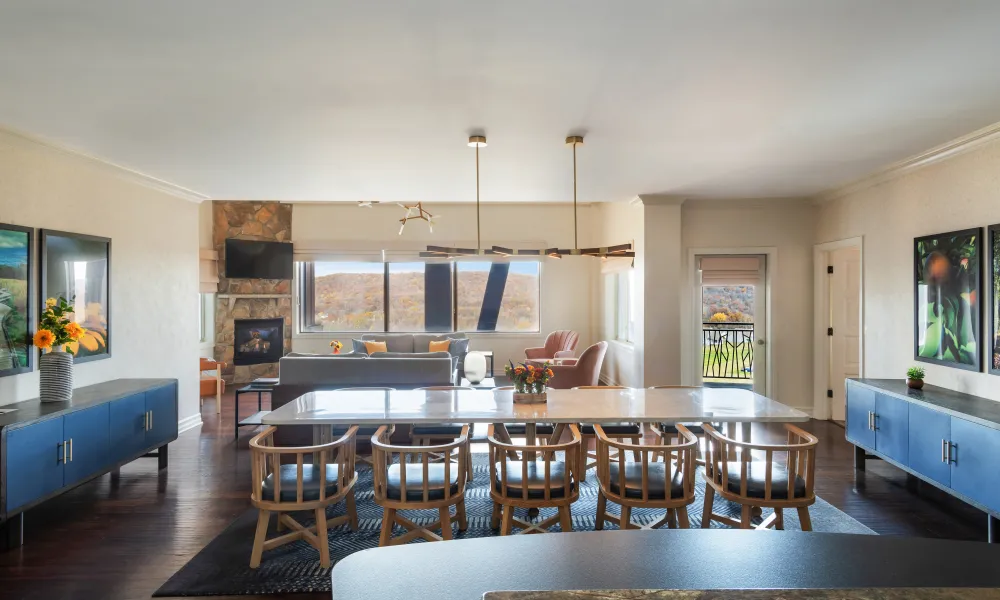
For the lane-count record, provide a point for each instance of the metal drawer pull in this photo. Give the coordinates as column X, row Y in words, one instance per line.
column 150, row 420
column 944, row 451
column 70, row 449
column 947, row 456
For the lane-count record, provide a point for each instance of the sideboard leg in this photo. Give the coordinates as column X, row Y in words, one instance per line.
column 12, row 532
column 993, row 530
column 859, row 458
column 161, row 457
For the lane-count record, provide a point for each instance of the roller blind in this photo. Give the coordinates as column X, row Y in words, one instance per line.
column 731, row 270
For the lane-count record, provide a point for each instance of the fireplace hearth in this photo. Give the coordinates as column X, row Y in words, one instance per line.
column 258, row 341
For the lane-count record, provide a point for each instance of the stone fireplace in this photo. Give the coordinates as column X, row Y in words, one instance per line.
column 250, row 299
column 258, row 341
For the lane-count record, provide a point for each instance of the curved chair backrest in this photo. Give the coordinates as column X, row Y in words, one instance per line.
column 517, row 487
column 268, row 461
column 680, row 456
column 800, row 464
column 562, row 340
column 600, row 387
column 386, row 455
column 674, row 387
column 365, row 389
column 444, row 388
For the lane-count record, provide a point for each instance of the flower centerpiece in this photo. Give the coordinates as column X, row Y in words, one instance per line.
column 56, row 331
column 529, row 381
column 337, row 346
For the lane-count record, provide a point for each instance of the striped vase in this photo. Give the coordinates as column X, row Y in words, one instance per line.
column 55, row 371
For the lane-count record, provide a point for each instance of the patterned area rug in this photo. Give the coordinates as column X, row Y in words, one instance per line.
column 222, row 567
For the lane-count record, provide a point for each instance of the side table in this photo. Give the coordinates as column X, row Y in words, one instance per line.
column 260, row 387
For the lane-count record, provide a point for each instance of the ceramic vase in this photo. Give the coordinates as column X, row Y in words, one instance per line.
column 55, row 372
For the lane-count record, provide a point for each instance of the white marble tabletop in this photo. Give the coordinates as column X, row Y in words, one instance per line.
column 680, row 405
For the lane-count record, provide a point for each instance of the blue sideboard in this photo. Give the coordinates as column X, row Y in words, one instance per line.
column 948, row 439
column 49, row 448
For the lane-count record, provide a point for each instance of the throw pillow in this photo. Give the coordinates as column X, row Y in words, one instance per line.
column 441, row 346
column 373, row 347
column 359, row 347
column 458, row 347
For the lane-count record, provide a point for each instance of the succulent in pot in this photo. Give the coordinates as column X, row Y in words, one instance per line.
column 915, row 378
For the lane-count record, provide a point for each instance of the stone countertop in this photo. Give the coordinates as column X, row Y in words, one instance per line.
column 844, row 594
column 83, row 397
column 964, row 406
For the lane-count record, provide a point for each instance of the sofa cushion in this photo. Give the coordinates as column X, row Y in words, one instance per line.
column 438, row 345
column 421, row 341
column 374, row 347
column 395, row 342
column 376, row 355
column 359, row 347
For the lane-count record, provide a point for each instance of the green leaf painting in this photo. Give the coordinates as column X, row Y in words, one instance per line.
column 948, row 298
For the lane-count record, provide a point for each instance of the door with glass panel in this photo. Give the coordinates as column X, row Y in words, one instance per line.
column 733, row 326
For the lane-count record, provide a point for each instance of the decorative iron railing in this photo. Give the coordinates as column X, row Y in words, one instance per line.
column 728, row 350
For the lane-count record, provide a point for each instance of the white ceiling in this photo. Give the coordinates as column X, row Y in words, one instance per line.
column 373, row 100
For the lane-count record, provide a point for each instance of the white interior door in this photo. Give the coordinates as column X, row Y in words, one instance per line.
column 845, row 319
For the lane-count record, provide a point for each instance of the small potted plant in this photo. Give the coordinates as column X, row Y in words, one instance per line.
column 529, row 381
column 337, row 346
column 915, row 378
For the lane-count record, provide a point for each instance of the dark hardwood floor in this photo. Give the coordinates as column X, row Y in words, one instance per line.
column 123, row 538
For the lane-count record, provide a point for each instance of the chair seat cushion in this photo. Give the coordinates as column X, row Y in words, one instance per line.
column 415, row 481
column 536, row 479
column 311, row 483
column 657, row 481
column 612, row 429
column 440, row 429
column 521, row 428
column 756, row 472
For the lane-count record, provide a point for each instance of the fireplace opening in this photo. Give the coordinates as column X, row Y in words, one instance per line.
column 258, row 341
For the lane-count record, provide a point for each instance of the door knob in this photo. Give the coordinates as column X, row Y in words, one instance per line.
column 761, row 342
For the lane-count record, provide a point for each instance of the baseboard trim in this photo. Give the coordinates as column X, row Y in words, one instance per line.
column 189, row 423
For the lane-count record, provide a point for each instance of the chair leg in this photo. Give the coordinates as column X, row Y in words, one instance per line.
column 258, row 540
column 779, row 519
column 706, row 514
column 497, row 514
column 671, row 518
column 507, row 527
column 804, row 518
column 352, row 510
column 388, row 520
column 445, row 513
column 602, row 507
column 321, row 539
column 463, row 521
column 565, row 518
column 583, row 459
column 626, row 520
column 682, row 518
column 746, row 514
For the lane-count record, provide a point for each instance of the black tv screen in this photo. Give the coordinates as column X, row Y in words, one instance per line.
column 248, row 259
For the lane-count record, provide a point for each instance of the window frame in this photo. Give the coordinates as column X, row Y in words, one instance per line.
column 305, row 302
column 623, row 315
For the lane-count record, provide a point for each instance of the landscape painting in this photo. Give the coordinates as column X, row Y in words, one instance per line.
column 994, row 341
column 78, row 268
column 16, row 353
column 948, row 299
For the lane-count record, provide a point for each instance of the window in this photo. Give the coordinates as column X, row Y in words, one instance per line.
column 206, row 317
column 342, row 296
column 417, row 296
column 620, row 304
column 497, row 296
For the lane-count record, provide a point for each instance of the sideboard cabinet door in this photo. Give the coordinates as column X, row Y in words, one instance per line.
column 974, row 469
column 860, row 402
column 34, row 462
column 161, row 403
column 928, row 431
column 89, row 451
column 892, row 424
column 128, row 427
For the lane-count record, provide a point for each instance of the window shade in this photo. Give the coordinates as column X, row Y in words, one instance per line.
column 731, row 270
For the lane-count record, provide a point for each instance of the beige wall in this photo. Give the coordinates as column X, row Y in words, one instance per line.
column 566, row 285
column 958, row 193
column 787, row 226
column 663, row 265
column 154, row 263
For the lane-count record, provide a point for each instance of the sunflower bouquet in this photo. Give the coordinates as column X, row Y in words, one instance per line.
column 56, row 329
column 337, row 346
column 528, row 378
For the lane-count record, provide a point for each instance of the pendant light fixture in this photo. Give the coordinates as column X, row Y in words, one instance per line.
column 477, row 142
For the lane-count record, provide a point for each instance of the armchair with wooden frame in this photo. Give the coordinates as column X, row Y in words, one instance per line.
column 211, row 385
column 646, row 483
column 285, row 483
column 784, row 479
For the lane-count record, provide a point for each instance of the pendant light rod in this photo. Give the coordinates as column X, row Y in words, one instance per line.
column 479, row 240
column 574, row 141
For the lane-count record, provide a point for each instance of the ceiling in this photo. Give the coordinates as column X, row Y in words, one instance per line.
column 345, row 101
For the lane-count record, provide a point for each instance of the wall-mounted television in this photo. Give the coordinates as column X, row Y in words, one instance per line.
column 250, row 259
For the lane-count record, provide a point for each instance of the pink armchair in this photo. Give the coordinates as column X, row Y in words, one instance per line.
column 585, row 371
column 558, row 344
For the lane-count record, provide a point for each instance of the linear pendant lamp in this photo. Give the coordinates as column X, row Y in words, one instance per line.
column 477, row 142
column 604, row 252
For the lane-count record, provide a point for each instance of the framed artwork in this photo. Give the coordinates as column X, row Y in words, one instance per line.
column 78, row 268
column 16, row 319
column 994, row 282
column 947, row 299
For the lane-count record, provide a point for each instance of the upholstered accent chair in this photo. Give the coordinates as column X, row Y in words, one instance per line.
column 211, row 385
column 585, row 371
column 558, row 344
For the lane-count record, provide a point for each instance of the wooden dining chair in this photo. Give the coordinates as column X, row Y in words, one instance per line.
column 646, row 483
column 784, row 479
column 520, row 430
column 364, row 431
column 546, row 482
column 667, row 432
column 407, row 478
column 619, row 431
column 284, row 482
column 435, row 433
